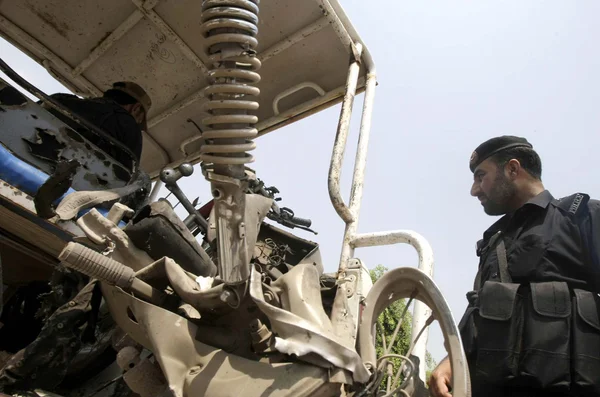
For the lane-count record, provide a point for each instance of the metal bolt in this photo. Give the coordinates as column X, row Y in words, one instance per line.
column 269, row 297
column 59, row 325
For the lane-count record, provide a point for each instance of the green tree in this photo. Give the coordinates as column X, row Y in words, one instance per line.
column 386, row 324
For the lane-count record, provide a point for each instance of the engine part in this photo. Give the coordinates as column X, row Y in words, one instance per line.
column 160, row 232
column 263, row 340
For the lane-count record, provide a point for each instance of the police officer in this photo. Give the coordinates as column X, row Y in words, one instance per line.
column 532, row 325
column 121, row 112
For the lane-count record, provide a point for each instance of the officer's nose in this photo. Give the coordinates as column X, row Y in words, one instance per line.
column 475, row 189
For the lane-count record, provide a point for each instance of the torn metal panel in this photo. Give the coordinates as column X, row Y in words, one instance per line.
column 40, row 139
column 301, row 337
column 193, row 368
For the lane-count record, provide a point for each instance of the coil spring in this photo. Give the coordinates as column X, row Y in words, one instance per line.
column 230, row 28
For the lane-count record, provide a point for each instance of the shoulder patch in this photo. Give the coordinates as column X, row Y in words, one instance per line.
column 574, row 204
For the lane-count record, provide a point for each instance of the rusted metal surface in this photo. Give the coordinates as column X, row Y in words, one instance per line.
column 341, row 138
column 40, row 139
column 159, row 45
column 358, row 177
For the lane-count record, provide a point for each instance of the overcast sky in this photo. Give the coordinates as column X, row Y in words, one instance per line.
column 451, row 75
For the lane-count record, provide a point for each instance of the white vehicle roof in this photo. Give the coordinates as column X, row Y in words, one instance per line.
column 304, row 47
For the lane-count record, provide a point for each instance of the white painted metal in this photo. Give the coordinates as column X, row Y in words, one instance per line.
column 341, row 138
column 294, row 89
column 350, row 214
column 107, row 43
column 421, row 312
column 165, row 29
column 359, row 172
column 158, row 44
column 292, row 39
column 23, row 39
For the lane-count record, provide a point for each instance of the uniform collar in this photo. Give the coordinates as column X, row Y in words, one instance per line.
column 541, row 200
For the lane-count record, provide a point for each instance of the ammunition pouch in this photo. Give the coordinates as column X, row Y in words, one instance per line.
column 539, row 335
column 586, row 344
column 499, row 325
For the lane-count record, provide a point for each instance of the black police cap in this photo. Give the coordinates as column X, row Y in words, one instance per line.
column 495, row 145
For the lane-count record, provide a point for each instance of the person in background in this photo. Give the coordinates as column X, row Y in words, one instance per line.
column 121, row 112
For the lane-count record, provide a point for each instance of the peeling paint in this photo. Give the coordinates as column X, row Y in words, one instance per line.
column 43, row 141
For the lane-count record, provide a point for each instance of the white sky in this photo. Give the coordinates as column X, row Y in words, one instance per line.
column 451, row 75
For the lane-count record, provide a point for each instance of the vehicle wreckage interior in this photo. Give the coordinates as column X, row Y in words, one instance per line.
column 107, row 291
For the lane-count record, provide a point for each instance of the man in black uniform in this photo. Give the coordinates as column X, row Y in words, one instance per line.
column 120, row 112
column 532, row 325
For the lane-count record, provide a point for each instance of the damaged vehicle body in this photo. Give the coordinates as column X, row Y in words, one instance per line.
column 107, row 291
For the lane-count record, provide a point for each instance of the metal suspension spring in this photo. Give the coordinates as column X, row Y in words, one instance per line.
column 230, row 29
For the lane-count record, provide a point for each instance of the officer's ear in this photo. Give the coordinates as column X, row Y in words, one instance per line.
column 137, row 111
column 513, row 168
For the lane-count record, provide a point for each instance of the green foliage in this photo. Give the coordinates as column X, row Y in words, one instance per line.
column 386, row 324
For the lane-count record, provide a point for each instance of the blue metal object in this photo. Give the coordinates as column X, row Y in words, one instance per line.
column 21, row 175
column 27, row 178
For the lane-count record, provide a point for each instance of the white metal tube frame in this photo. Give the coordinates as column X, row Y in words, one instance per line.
column 350, row 213
column 421, row 312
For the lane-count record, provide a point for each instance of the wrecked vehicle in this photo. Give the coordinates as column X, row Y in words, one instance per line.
column 106, row 291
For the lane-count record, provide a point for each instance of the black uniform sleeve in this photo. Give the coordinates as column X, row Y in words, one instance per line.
column 593, row 229
column 124, row 128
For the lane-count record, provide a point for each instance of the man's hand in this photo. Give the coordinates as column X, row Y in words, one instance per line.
column 439, row 382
